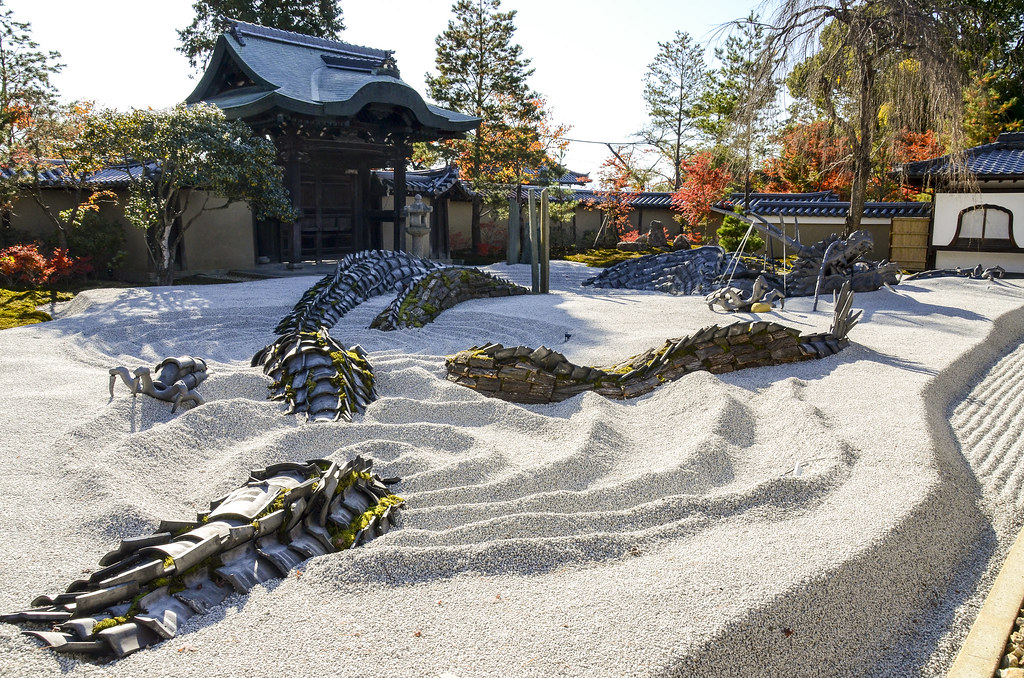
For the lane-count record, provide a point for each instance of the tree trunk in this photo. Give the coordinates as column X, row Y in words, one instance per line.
column 861, row 146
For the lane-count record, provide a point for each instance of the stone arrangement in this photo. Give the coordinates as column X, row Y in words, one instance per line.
column 690, row 271
column 433, row 292
column 316, row 375
column 525, row 375
column 359, row 277
column 176, row 382
column 149, row 586
column 706, row 269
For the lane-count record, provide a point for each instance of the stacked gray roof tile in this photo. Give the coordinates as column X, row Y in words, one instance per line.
column 818, row 204
column 149, row 586
column 358, row 277
column 1001, row 159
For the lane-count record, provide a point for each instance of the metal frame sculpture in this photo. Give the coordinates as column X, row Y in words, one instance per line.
column 149, row 586
column 177, row 380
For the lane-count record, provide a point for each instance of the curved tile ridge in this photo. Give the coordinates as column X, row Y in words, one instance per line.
column 525, row 375
column 359, row 276
column 149, row 586
column 438, row 290
column 315, row 374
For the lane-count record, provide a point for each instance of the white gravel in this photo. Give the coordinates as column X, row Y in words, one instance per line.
column 670, row 535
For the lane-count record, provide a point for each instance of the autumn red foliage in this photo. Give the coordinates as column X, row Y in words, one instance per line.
column 704, row 184
column 815, row 157
column 615, row 197
column 26, row 265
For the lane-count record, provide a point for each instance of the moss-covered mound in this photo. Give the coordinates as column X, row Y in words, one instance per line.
column 603, row 258
column 439, row 290
column 18, row 308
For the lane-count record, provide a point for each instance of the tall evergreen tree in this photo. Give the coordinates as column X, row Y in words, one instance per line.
column 736, row 112
column 319, row 18
column 482, row 72
column 672, row 89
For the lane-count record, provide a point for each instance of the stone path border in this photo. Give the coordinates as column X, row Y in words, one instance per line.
column 982, row 651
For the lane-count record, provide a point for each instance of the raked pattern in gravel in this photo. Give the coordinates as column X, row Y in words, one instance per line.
column 797, row 520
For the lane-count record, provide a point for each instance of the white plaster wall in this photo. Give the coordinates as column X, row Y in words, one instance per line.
column 1010, row 261
column 949, row 205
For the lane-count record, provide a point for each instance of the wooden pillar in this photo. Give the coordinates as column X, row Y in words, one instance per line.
column 360, row 227
column 400, row 190
column 293, row 180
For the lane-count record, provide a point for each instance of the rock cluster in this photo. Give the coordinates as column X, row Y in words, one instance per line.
column 359, row 277
column 525, row 375
column 149, row 586
column 315, row 374
column 680, row 272
column 430, row 294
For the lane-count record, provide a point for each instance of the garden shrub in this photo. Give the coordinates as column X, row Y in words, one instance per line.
column 25, row 266
column 101, row 240
column 731, row 233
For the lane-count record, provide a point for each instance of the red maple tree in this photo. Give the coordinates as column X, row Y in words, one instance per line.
column 704, row 184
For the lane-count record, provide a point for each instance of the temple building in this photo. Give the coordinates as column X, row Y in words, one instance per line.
column 335, row 111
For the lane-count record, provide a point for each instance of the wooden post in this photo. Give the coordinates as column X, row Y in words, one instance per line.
column 544, row 243
column 534, row 230
column 293, row 172
column 514, row 226
column 399, row 239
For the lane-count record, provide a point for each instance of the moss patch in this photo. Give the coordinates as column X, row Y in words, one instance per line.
column 343, row 537
column 603, row 258
column 19, row 308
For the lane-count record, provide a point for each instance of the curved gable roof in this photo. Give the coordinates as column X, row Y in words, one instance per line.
column 1001, row 159
column 313, row 76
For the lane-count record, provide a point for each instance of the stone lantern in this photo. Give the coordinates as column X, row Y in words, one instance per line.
column 418, row 227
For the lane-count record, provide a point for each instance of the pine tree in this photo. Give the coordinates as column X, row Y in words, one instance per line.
column 672, row 88
column 736, row 111
column 482, row 72
column 319, row 18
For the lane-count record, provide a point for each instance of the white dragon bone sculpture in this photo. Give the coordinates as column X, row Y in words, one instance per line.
column 762, row 298
column 176, row 382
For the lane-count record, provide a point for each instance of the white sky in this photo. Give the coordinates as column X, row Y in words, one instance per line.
column 590, row 56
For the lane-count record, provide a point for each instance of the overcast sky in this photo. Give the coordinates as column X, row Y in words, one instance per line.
column 590, row 57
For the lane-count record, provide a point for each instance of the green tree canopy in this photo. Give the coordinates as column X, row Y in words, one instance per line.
column 26, row 96
column 672, row 87
column 481, row 71
column 185, row 161
column 736, row 113
column 319, row 18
